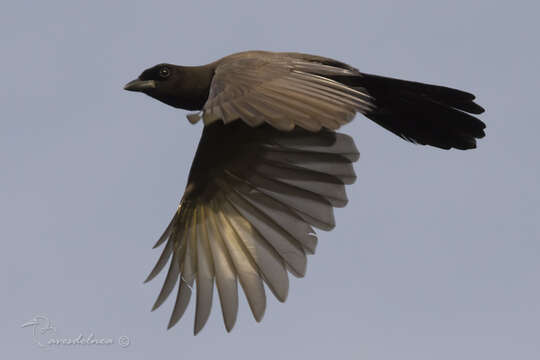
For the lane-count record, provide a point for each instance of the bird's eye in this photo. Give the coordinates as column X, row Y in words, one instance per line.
column 164, row 72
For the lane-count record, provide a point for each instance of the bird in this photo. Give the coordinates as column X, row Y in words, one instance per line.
column 271, row 166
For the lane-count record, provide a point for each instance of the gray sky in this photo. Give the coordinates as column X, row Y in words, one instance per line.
column 437, row 255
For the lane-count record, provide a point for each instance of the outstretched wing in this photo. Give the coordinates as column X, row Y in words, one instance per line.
column 248, row 212
column 284, row 90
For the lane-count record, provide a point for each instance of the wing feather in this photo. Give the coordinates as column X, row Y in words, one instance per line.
column 248, row 275
column 246, row 216
column 205, row 272
column 284, row 91
column 187, row 277
column 282, row 242
column 225, row 272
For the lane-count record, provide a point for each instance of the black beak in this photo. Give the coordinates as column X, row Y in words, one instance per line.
column 140, row 85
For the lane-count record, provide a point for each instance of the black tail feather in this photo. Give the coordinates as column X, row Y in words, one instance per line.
column 422, row 113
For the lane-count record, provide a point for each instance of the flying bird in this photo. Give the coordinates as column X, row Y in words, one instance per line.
column 270, row 166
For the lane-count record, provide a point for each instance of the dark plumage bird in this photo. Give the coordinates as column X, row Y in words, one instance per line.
column 270, row 167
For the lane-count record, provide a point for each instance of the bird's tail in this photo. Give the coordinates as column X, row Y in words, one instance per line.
column 422, row 113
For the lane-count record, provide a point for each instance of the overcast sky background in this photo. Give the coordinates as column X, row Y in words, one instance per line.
column 437, row 255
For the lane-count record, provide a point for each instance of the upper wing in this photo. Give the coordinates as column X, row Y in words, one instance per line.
column 282, row 90
column 252, row 197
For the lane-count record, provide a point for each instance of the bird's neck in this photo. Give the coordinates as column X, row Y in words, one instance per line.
column 195, row 86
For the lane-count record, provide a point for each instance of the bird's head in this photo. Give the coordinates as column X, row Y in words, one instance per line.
column 159, row 82
column 178, row 86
